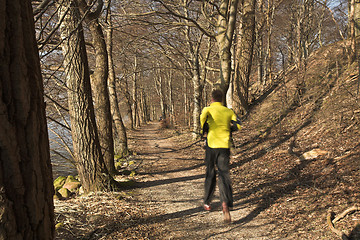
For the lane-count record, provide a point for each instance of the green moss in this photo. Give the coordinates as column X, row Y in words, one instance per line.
column 59, row 182
column 71, row 179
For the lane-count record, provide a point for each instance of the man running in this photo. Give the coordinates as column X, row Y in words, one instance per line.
column 219, row 119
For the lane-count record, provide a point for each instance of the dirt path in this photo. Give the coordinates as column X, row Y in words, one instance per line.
column 171, row 180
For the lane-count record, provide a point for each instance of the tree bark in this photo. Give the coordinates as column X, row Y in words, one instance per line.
column 225, row 31
column 127, row 95
column 193, row 48
column 90, row 164
column 134, row 106
column 100, row 86
column 244, row 56
column 159, row 84
column 26, row 189
column 120, row 141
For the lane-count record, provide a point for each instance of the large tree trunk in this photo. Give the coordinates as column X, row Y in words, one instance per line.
column 120, row 142
column 244, row 56
column 100, row 86
column 26, row 195
column 88, row 158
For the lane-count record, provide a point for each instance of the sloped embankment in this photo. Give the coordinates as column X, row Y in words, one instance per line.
column 270, row 169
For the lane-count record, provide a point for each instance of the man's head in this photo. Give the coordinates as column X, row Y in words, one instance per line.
column 217, row 95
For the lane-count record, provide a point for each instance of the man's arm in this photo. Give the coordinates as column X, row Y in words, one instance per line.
column 203, row 117
column 235, row 122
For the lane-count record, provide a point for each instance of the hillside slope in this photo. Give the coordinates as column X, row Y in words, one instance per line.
column 322, row 122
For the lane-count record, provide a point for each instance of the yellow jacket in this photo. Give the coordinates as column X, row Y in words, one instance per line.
column 219, row 118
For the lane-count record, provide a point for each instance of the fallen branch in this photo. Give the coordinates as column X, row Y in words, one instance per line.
column 346, row 212
column 331, row 221
column 333, row 229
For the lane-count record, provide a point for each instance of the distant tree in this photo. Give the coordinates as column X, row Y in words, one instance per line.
column 134, row 93
column 218, row 22
column 26, row 189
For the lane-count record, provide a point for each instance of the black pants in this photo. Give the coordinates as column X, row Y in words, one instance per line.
column 219, row 157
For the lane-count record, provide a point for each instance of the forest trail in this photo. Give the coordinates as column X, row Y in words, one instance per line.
column 171, row 178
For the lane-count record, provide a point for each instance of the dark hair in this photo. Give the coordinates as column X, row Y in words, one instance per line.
column 217, row 95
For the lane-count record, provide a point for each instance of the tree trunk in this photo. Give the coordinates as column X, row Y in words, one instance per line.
column 26, row 189
column 171, row 100
column 160, row 91
column 197, row 95
column 100, row 86
column 88, row 158
column 225, row 31
column 193, row 47
column 352, row 29
column 269, row 22
column 134, row 106
column 244, row 56
column 260, row 45
column 120, row 141
column 127, row 95
column 185, row 103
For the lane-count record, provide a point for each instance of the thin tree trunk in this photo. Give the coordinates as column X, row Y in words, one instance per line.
column 171, row 100
column 160, row 91
column 197, row 95
column 352, row 29
column 198, row 85
column 26, row 196
column 269, row 20
column 120, row 142
column 185, row 103
column 128, row 103
column 134, row 95
column 260, row 51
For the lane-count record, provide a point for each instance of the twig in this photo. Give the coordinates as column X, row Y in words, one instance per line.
column 330, row 221
column 333, row 229
column 344, row 213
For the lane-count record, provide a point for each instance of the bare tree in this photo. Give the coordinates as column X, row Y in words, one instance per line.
column 99, row 82
column 87, row 152
column 244, row 56
column 120, row 138
column 224, row 36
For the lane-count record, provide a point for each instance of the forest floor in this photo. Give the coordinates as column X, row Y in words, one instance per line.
column 165, row 201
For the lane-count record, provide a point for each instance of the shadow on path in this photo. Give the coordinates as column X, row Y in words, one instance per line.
column 167, row 181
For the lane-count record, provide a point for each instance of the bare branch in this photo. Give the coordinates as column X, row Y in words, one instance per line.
column 196, row 24
column 42, row 7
